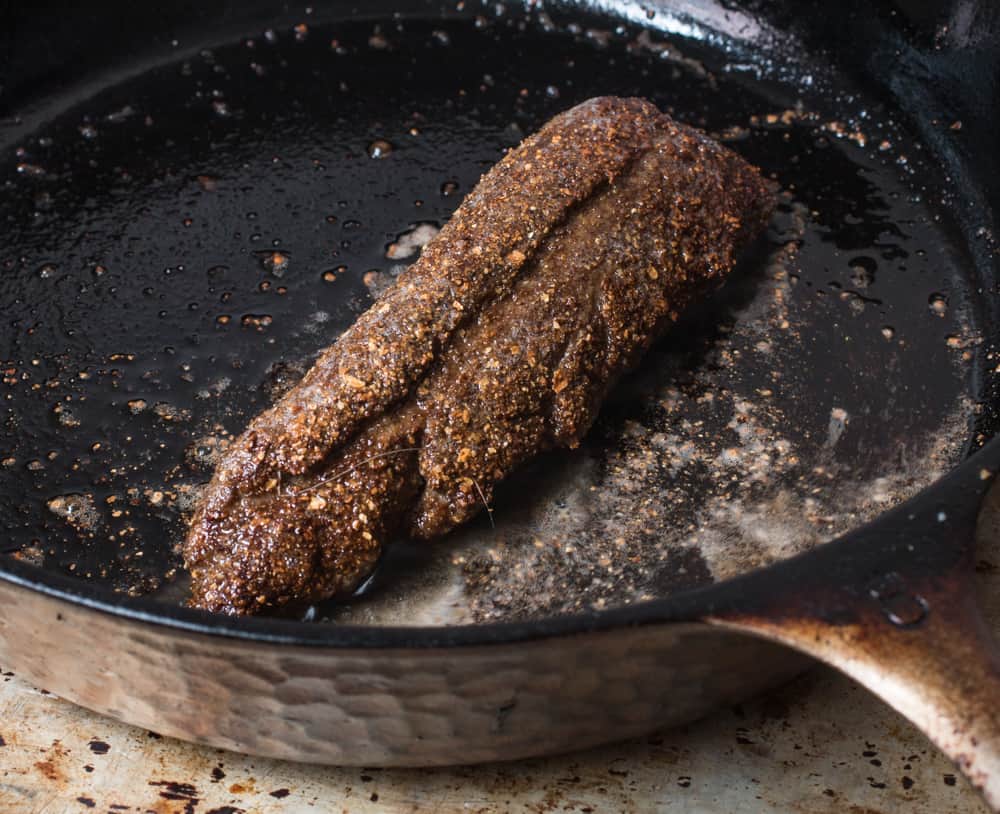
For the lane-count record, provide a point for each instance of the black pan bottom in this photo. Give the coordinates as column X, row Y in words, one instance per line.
column 178, row 247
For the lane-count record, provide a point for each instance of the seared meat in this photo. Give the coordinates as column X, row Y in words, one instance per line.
column 558, row 270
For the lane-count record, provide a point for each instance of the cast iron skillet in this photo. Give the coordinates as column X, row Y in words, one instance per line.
column 890, row 604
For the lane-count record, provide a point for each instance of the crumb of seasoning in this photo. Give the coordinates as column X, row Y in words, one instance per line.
column 168, row 412
column 276, row 262
column 379, row 148
column 78, row 510
column 257, row 321
column 205, row 452
column 411, row 241
column 371, row 279
column 65, row 416
column 32, row 555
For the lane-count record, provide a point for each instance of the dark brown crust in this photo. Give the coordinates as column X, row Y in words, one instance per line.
column 554, row 275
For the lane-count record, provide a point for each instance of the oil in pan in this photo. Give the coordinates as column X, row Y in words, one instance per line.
column 179, row 246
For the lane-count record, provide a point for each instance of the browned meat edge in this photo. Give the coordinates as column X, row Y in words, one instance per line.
column 557, row 271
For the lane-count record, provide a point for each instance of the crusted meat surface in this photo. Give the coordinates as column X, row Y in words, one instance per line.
column 558, row 270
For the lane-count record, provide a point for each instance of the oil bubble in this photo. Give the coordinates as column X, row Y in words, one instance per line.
column 938, row 304
column 380, row 148
column 863, row 271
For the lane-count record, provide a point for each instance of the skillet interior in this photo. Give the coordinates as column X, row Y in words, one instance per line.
column 102, row 268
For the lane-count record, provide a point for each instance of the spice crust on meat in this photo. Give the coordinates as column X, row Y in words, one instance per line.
column 567, row 260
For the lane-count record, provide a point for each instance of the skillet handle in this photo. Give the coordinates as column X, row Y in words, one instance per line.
column 894, row 607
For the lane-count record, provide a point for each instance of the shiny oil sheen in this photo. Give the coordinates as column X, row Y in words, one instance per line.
column 180, row 243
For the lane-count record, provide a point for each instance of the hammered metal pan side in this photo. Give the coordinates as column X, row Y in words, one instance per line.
column 377, row 707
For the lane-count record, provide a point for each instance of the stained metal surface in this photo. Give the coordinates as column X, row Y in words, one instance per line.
column 818, row 746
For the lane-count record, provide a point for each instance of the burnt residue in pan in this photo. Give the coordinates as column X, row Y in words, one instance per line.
column 178, row 247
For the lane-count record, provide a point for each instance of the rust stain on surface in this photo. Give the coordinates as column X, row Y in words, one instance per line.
column 51, row 768
column 177, row 798
column 248, row 786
